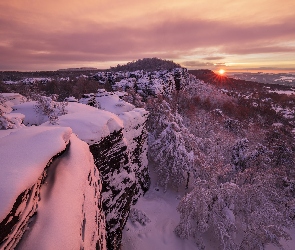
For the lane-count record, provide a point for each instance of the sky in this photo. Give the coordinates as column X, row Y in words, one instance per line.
column 240, row 35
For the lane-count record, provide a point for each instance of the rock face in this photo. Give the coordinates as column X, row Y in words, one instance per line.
column 120, row 156
column 50, row 192
column 13, row 226
column 124, row 173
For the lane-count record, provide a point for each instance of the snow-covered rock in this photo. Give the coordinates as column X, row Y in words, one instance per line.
column 146, row 82
column 120, row 154
column 117, row 138
column 49, row 191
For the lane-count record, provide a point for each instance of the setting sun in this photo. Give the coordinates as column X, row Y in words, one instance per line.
column 221, row 71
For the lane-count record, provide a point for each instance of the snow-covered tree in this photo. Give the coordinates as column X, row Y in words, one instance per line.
column 134, row 98
column 160, row 115
column 209, row 206
column 173, row 161
column 257, row 211
column 239, row 154
column 263, row 214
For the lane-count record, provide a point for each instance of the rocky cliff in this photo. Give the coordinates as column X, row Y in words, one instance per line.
column 120, row 155
column 121, row 159
column 87, row 188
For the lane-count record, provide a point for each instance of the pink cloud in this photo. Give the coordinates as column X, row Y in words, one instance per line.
column 169, row 39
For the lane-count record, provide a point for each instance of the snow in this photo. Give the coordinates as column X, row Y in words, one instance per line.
column 24, row 155
column 63, row 208
column 10, row 82
column 89, row 123
column 162, row 218
column 278, row 124
column 74, row 107
column 285, row 78
column 32, row 116
column 137, row 116
column 15, row 116
column 112, row 103
column 285, row 92
column 10, row 99
column 160, row 208
column 32, row 80
column 109, row 101
column 15, row 98
column 71, row 99
column 5, row 132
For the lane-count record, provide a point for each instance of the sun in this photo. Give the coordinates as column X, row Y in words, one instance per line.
column 221, row 71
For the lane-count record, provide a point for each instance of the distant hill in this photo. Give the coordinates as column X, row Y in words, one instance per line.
column 148, row 64
column 78, row 69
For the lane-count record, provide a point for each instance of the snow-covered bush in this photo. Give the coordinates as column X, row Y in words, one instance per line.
column 233, row 126
column 3, row 120
column 8, row 121
column 137, row 215
column 134, row 98
column 49, row 107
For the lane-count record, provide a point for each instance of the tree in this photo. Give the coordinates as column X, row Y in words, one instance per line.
column 173, row 161
column 239, row 154
column 257, row 210
column 209, row 206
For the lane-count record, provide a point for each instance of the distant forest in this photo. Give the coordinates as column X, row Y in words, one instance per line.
column 148, row 64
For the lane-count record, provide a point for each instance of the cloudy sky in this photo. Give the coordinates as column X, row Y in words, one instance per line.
column 253, row 35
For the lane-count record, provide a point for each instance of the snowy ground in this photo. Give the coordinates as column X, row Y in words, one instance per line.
column 160, row 208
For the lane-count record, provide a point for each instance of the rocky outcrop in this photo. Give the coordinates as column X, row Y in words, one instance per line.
column 124, row 173
column 119, row 187
column 121, row 158
column 118, row 142
column 41, row 206
column 104, row 183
